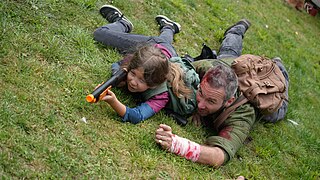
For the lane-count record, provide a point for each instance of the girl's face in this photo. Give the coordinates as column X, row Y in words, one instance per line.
column 136, row 81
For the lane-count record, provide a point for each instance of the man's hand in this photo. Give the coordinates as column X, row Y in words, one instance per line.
column 196, row 119
column 164, row 136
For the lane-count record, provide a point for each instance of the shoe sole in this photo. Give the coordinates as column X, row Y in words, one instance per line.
column 120, row 13
column 245, row 21
column 169, row 20
column 111, row 7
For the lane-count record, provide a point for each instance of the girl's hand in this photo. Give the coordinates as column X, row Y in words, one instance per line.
column 110, row 97
column 112, row 100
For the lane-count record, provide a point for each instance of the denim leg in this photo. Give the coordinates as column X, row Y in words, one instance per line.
column 166, row 38
column 231, row 45
column 115, row 35
column 163, row 42
column 167, row 34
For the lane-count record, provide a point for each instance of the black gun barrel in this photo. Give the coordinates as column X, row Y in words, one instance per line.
column 101, row 91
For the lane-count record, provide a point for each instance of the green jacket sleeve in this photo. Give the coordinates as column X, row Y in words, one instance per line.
column 234, row 131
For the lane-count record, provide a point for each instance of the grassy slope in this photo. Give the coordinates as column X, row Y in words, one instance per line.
column 49, row 62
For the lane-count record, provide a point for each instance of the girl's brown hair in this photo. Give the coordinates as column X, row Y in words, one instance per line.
column 158, row 69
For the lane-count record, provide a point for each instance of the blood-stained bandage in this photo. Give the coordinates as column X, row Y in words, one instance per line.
column 185, row 148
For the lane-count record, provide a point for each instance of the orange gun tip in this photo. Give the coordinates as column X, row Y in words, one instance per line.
column 90, row 98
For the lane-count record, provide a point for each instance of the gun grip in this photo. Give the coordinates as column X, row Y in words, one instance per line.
column 104, row 93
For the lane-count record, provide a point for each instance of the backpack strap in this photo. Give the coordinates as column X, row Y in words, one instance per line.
column 226, row 113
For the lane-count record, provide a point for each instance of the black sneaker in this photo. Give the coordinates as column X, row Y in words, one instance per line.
column 245, row 22
column 165, row 21
column 113, row 14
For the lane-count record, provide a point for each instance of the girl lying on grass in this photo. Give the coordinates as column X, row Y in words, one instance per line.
column 151, row 73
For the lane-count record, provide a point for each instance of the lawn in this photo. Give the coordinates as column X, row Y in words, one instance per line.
column 49, row 62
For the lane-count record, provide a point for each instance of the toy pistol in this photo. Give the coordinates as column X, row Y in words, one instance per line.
column 102, row 90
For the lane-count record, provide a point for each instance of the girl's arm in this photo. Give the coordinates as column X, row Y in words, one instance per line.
column 112, row 100
column 138, row 113
column 146, row 109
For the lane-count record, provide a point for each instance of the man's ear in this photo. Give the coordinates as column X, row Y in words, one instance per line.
column 229, row 102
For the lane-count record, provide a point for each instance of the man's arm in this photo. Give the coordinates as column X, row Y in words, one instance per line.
column 213, row 156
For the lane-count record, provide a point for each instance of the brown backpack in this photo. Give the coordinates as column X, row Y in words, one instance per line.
column 261, row 82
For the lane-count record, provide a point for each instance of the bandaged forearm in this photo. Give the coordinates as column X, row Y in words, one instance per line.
column 185, row 148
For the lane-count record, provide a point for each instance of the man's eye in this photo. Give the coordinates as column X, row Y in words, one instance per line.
column 212, row 102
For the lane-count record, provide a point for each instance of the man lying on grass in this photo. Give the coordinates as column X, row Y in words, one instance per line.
column 217, row 91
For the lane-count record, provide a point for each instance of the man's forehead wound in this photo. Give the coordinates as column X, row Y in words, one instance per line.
column 207, row 79
column 212, row 73
column 216, row 78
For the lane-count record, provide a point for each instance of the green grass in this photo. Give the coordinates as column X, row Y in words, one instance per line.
column 49, row 62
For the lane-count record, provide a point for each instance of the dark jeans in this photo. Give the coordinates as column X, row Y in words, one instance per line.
column 115, row 35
